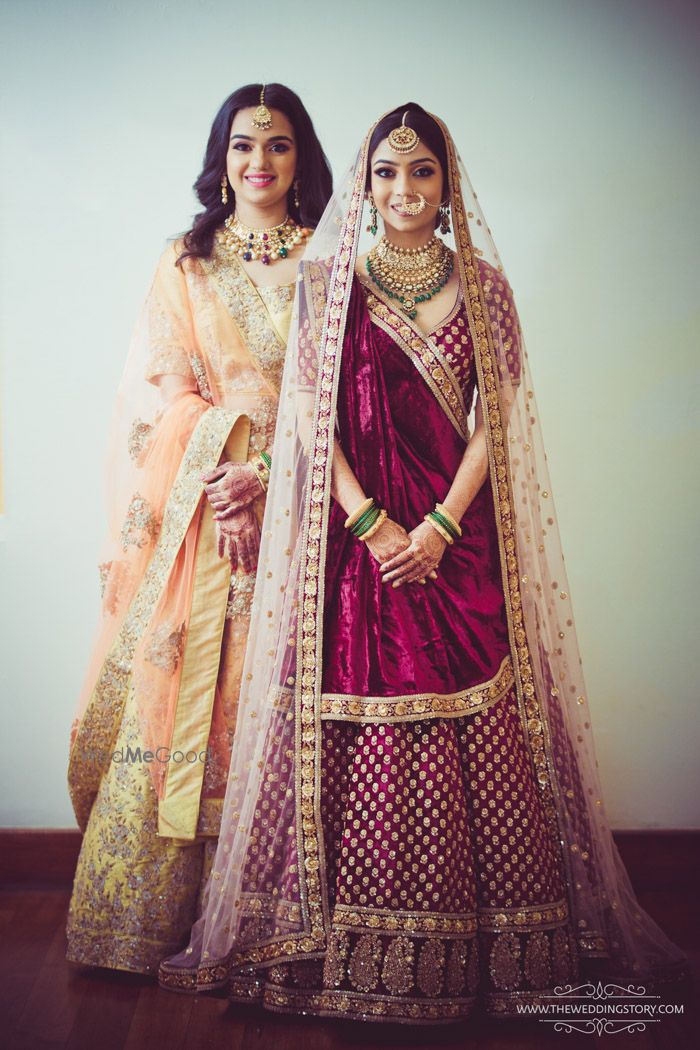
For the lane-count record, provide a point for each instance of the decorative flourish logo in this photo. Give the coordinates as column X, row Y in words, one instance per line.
column 600, row 1009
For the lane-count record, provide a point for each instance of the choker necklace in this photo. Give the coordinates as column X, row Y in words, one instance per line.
column 270, row 244
column 410, row 275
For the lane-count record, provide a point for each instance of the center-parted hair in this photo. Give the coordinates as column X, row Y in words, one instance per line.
column 313, row 170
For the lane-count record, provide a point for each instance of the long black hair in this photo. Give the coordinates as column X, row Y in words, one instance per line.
column 313, row 170
column 427, row 129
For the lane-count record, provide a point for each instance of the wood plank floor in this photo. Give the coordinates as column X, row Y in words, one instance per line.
column 47, row 1004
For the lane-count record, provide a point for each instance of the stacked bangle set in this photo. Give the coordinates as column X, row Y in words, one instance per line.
column 443, row 522
column 262, row 466
column 366, row 519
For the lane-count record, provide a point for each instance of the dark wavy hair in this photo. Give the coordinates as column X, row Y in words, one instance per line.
column 313, row 170
column 428, row 130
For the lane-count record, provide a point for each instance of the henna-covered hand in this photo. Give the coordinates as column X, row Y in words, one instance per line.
column 239, row 537
column 419, row 560
column 231, row 487
column 387, row 541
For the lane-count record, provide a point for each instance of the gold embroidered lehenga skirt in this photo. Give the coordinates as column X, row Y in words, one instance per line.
column 445, row 882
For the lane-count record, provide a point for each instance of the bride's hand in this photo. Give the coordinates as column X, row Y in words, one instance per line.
column 419, row 560
column 388, row 541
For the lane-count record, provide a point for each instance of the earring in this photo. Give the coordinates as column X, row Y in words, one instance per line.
column 445, row 218
column 224, row 189
column 297, row 202
column 372, row 228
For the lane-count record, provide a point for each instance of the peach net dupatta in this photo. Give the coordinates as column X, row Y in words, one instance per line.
column 164, row 588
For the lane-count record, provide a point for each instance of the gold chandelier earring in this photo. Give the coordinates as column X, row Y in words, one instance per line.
column 297, row 201
column 445, row 218
column 224, row 189
column 372, row 228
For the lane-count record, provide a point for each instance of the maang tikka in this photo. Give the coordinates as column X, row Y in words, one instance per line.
column 403, row 139
column 262, row 118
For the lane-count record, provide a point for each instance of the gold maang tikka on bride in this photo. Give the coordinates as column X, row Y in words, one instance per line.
column 403, row 139
column 262, row 118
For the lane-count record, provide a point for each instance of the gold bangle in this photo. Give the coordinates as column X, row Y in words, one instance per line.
column 261, row 469
column 374, row 528
column 442, row 509
column 438, row 528
column 358, row 512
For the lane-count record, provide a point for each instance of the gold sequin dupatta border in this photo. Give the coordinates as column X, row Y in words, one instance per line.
column 179, row 805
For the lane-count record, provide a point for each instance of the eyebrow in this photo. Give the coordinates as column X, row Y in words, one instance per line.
column 419, row 160
column 273, row 138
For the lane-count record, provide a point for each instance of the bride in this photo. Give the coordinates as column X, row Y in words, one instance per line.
column 413, row 822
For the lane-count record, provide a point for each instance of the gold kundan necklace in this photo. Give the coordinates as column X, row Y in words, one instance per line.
column 410, row 275
column 270, row 244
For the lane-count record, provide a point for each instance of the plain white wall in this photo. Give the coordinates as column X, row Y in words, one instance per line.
column 578, row 124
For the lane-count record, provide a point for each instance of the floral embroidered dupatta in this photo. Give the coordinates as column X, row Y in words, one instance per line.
column 165, row 590
column 267, row 898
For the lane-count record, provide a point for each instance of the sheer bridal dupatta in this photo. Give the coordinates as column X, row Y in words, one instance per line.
column 267, row 897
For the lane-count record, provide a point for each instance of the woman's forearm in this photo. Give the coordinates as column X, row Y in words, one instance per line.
column 345, row 488
column 470, row 476
column 472, row 471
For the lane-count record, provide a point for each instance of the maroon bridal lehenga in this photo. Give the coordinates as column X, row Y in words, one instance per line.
column 413, row 823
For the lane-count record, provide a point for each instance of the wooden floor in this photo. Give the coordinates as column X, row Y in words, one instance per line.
column 47, row 1004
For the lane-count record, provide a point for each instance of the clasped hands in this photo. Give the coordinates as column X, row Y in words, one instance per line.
column 407, row 557
column 231, row 489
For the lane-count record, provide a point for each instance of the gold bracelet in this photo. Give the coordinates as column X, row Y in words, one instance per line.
column 374, row 528
column 438, row 528
column 358, row 512
column 442, row 509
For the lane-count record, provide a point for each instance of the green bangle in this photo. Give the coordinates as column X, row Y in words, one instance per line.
column 442, row 520
column 363, row 517
column 266, row 458
column 363, row 524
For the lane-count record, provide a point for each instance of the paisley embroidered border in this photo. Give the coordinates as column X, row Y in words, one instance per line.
column 525, row 917
column 392, row 709
column 414, row 923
